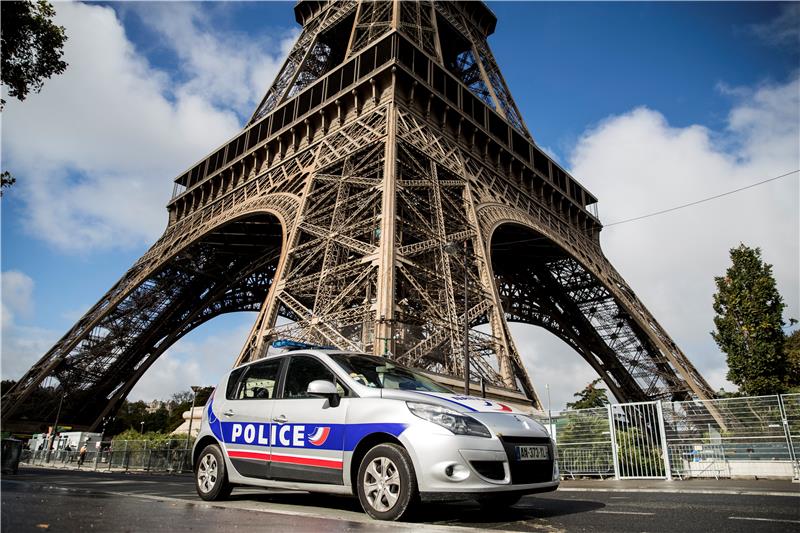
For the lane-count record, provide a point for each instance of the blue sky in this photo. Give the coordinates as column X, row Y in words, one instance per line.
column 650, row 105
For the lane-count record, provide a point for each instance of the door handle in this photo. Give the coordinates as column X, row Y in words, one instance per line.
column 229, row 413
column 280, row 419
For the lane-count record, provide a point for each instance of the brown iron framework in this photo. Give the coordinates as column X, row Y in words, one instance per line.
column 388, row 134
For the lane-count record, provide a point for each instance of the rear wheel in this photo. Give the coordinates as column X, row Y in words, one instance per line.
column 211, row 478
column 386, row 484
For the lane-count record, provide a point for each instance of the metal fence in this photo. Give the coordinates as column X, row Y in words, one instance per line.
column 733, row 437
column 164, row 456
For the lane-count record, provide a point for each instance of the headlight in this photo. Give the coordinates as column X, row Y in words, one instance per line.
column 447, row 418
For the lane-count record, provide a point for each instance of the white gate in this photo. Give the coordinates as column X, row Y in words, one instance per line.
column 639, row 441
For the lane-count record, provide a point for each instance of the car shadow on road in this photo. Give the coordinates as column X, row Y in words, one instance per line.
column 468, row 512
column 452, row 513
column 299, row 499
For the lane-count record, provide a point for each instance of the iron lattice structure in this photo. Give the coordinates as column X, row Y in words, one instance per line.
column 388, row 134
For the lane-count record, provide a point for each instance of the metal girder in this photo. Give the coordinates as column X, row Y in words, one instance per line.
column 387, row 141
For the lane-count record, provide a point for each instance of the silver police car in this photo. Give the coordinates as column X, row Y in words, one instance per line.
column 350, row 423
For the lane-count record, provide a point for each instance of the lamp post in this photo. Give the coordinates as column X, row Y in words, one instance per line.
column 452, row 249
column 55, row 428
column 549, row 412
column 195, row 388
column 141, row 427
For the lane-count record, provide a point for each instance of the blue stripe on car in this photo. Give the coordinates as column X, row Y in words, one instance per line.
column 446, row 399
column 341, row 437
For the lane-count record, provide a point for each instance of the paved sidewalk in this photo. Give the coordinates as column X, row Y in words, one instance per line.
column 765, row 487
column 101, row 467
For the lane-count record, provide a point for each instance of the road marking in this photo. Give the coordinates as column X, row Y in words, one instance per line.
column 625, row 512
column 734, row 492
column 763, row 519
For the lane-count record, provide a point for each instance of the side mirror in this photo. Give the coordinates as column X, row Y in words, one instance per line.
column 324, row 389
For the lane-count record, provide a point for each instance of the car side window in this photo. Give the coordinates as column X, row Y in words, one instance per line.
column 302, row 371
column 233, row 381
column 259, row 382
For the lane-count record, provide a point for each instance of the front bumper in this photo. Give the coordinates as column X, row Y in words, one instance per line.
column 452, row 467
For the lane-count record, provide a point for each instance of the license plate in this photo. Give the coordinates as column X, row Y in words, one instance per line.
column 532, row 453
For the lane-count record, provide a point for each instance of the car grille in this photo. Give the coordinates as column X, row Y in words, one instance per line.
column 523, row 472
column 489, row 469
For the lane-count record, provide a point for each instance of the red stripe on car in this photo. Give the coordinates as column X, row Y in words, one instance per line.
column 307, row 461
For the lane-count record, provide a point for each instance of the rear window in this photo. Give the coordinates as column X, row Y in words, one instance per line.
column 233, row 379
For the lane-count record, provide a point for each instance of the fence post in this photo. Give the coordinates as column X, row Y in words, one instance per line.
column 125, row 457
column 664, row 447
column 613, row 441
column 787, row 432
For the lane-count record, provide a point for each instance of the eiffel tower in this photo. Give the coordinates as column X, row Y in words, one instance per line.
column 386, row 196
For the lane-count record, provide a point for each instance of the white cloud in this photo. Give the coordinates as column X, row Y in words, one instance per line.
column 551, row 363
column 637, row 163
column 21, row 346
column 230, row 70
column 96, row 151
column 783, row 29
column 17, row 296
column 197, row 359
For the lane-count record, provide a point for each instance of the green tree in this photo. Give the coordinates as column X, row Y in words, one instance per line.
column 591, row 396
column 182, row 402
column 32, row 46
column 6, row 180
column 791, row 348
column 748, row 323
column 6, row 385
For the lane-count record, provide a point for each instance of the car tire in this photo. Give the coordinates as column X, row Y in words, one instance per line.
column 499, row 501
column 386, row 483
column 210, row 475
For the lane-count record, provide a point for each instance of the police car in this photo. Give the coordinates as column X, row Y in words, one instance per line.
column 350, row 423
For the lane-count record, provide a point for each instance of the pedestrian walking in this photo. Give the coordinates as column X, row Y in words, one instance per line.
column 82, row 455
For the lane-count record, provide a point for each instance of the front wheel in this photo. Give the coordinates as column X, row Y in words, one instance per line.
column 211, row 479
column 386, row 484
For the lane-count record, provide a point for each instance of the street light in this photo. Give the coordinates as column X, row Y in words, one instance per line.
column 452, row 249
column 55, row 428
column 141, row 428
column 195, row 388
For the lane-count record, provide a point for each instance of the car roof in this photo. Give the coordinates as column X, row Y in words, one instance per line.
column 310, row 351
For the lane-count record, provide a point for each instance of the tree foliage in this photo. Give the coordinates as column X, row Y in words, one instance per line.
column 591, row 396
column 6, row 385
column 163, row 419
column 6, row 180
column 791, row 348
column 32, row 46
column 748, row 323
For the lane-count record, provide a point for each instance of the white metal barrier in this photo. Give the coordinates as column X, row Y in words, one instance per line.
column 732, row 437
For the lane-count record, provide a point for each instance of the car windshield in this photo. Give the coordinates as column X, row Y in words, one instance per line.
column 383, row 374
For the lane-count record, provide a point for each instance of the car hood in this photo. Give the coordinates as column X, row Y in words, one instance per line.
column 502, row 418
column 456, row 402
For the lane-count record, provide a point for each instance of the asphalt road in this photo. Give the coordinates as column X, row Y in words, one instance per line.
column 51, row 500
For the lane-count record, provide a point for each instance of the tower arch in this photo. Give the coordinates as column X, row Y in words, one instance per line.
column 181, row 283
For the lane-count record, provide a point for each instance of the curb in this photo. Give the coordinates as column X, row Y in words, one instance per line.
column 740, row 492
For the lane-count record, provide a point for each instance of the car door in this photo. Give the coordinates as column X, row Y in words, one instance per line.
column 245, row 417
column 308, row 432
